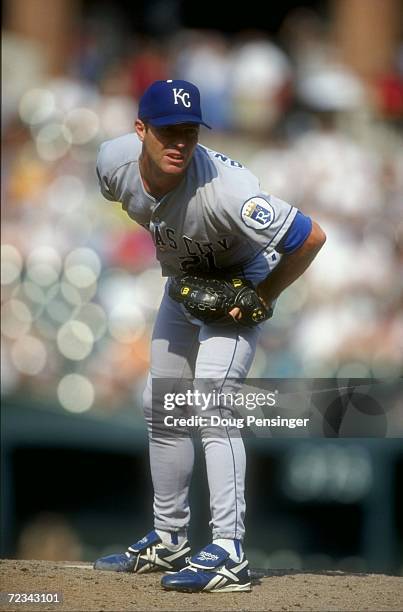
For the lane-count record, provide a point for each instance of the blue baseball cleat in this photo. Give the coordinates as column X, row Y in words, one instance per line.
column 211, row 570
column 146, row 555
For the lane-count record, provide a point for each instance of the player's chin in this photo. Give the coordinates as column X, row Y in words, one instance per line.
column 171, row 166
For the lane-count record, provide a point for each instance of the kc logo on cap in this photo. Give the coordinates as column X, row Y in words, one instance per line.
column 184, row 97
column 171, row 102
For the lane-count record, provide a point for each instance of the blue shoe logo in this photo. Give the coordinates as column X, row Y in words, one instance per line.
column 206, row 556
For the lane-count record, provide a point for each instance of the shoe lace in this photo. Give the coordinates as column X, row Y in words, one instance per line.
column 150, row 555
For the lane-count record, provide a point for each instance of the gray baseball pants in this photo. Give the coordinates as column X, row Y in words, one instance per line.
column 183, row 347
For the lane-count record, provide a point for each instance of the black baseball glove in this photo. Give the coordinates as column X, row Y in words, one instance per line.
column 211, row 299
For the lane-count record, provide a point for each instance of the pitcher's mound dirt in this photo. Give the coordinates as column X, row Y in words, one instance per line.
column 82, row 588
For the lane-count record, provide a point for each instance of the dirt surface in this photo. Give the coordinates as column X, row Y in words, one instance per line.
column 82, row 588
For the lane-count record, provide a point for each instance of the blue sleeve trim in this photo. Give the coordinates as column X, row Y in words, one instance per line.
column 296, row 235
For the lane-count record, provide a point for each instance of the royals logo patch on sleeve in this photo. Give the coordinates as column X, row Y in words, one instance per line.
column 257, row 213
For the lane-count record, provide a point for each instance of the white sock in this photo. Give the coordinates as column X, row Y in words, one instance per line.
column 233, row 547
column 172, row 539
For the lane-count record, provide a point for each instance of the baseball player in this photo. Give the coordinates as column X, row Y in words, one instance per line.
column 208, row 218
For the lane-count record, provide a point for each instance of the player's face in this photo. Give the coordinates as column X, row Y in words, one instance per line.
column 170, row 148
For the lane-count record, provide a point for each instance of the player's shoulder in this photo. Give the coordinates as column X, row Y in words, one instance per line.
column 224, row 163
column 221, row 159
column 233, row 179
column 118, row 152
column 238, row 196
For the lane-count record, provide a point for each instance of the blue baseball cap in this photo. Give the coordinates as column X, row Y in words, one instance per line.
column 171, row 102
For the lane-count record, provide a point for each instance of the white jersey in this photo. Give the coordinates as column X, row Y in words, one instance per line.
column 216, row 221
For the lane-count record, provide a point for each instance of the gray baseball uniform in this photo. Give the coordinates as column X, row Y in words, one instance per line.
column 217, row 220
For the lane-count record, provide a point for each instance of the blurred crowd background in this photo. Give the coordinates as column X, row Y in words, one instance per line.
column 310, row 98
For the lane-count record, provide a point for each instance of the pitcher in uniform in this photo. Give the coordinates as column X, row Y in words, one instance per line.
column 207, row 215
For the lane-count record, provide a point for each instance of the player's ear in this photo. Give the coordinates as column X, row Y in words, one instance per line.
column 140, row 128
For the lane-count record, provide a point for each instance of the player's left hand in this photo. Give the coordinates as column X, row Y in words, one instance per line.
column 213, row 300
